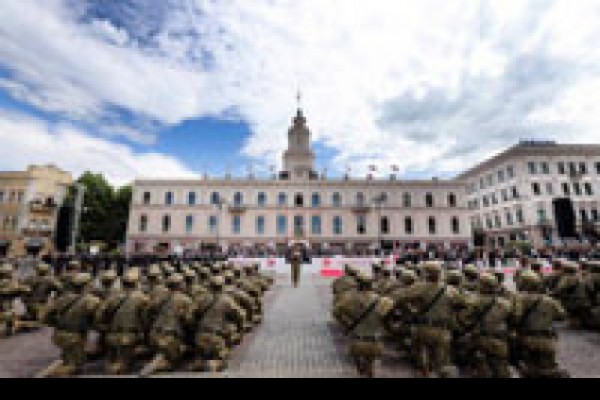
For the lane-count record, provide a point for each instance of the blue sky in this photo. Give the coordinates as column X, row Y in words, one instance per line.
column 178, row 88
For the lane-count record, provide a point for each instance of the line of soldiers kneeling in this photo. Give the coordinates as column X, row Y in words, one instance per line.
column 446, row 320
column 164, row 315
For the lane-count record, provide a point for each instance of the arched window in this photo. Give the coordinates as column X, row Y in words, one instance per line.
column 143, row 223
column 336, row 200
column 169, row 198
column 262, row 199
column 455, row 225
column 215, row 198
column 316, row 200
column 429, row 203
column 432, row 226
column 192, row 198
column 452, row 200
column 166, row 223
column 238, row 199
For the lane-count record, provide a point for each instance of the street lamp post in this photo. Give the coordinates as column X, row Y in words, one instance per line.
column 77, row 216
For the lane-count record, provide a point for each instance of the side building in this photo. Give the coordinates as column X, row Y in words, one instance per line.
column 29, row 205
column 539, row 192
column 298, row 205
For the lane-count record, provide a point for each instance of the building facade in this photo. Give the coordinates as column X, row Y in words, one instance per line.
column 29, row 204
column 536, row 192
column 297, row 205
column 540, row 192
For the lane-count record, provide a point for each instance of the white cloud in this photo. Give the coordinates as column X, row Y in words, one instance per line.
column 429, row 85
column 28, row 141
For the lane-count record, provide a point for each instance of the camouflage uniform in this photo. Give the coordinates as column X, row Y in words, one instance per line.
column 571, row 291
column 534, row 321
column 362, row 313
column 471, row 283
column 172, row 318
column 489, row 331
column 399, row 321
column 9, row 291
column 105, row 291
column 72, row 317
column 592, row 320
column 214, row 319
column 42, row 285
column 71, row 270
column 124, row 316
column 436, row 306
column 242, row 299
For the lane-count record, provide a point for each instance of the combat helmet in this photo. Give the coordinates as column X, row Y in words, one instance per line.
column 81, row 279
column 216, row 269
column 175, row 281
column 488, row 283
column 470, row 271
column 204, row 273
column 229, row 277
column 433, row 270
column 217, row 283
column 409, row 277
column 454, row 278
column 530, row 281
column 154, row 272
column 6, row 270
column 108, row 277
column 43, row 269
column 73, row 265
column 189, row 274
column 364, row 281
column 131, row 277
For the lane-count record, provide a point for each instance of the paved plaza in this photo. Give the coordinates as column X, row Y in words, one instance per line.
column 297, row 339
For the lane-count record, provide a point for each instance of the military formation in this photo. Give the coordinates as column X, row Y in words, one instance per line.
column 160, row 319
column 451, row 322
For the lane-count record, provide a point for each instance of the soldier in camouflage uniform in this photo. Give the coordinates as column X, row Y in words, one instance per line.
column 243, row 300
column 436, row 306
column 571, row 291
column 488, row 328
column 215, row 316
column 344, row 283
column 247, row 286
column 384, row 285
column 551, row 281
column 399, row 321
column 592, row 282
column 41, row 286
column 172, row 318
column 124, row 315
column 107, row 288
column 471, row 282
column 71, row 270
column 9, row 291
column 362, row 315
column 536, row 314
column 72, row 317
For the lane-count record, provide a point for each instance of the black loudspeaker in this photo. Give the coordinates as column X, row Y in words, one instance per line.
column 566, row 219
column 63, row 228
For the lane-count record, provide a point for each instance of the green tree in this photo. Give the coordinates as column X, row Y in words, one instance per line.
column 105, row 211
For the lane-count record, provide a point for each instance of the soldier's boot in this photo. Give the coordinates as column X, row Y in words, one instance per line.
column 116, row 368
column 65, row 371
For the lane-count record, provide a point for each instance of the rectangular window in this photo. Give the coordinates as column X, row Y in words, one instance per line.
column 432, row 225
column 500, row 176
column 406, row 200
column 494, row 199
column 1, row 197
column 192, row 198
column 589, row 190
column 498, row 221
column 147, row 198
column 545, row 168
column 536, row 189
column 490, row 180
column 566, row 189
column 595, row 215
column 316, row 225
column 143, row 223
column 237, row 225
column 189, row 224
column 561, row 168
column 583, row 169
column 337, row 226
column 510, row 170
column 169, row 199
column 520, row 217
column 509, row 219
column 260, row 225
column 532, row 167
column 598, row 168
column 504, row 194
column 384, row 226
column 549, row 189
column 361, row 225
column 213, row 224
column 584, row 217
column 515, row 193
column 281, row 225
column 572, row 168
column 577, row 188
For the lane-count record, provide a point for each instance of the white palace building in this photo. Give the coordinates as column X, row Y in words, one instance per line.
column 534, row 191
